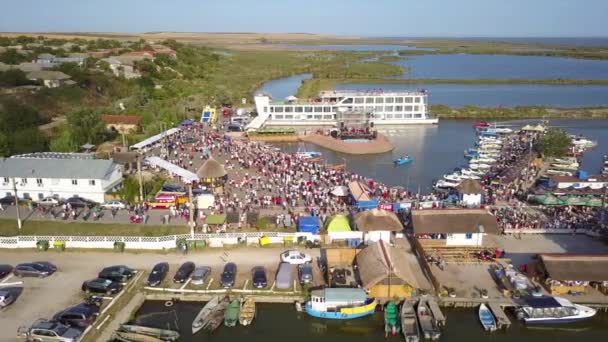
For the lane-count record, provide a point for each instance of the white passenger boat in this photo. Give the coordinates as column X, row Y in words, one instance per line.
column 479, row 166
column 446, row 184
column 479, row 160
column 552, row 310
column 453, row 177
column 469, row 172
column 332, row 106
column 580, row 141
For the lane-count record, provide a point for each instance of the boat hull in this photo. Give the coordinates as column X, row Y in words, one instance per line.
column 343, row 314
column 539, row 321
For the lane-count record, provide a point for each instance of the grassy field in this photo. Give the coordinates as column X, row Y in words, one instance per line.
column 9, row 228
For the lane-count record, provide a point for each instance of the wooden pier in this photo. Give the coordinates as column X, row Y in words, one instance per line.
column 502, row 320
column 436, row 311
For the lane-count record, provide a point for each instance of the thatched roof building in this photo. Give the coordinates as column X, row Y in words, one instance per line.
column 211, row 168
column 453, row 221
column 360, row 191
column 469, row 186
column 381, row 264
column 575, row 267
column 378, row 220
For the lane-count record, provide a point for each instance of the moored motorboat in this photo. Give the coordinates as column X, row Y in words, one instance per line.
column 231, row 315
column 552, row 310
column 481, row 124
column 446, row 184
column 248, row 311
column 403, row 160
column 340, row 303
column 409, row 323
column 427, row 322
column 162, row 334
column 135, row 337
column 309, row 154
column 486, row 317
column 216, row 316
column 392, row 323
column 199, row 320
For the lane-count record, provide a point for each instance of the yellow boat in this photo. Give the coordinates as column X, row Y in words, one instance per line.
column 247, row 313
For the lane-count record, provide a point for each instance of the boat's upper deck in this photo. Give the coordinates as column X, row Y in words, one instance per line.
column 350, row 93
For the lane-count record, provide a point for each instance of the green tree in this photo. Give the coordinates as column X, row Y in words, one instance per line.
column 11, row 56
column 29, row 140
column 63, row 143
column 15, row 116
column 5, row 148
column 86, row 127
column 13, row 78
column 555, row 143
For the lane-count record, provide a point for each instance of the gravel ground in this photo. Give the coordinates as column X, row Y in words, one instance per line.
column 42, row 298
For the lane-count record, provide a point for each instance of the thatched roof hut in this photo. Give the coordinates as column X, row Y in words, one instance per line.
column 381, row 264
column 360, row 191
column 211, row 168
column 450, row 221
column 575, row 267
column 378, row 220
column 470, row 186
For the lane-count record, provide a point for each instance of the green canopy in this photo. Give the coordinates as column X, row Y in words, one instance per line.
column 593, row 201
column 338, row 223
column 216, row 219
column 547, row 199
column 574, row 200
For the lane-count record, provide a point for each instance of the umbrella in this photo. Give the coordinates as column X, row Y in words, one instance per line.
column 339, row 191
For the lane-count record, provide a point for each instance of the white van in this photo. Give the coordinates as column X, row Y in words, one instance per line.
column 205, row 201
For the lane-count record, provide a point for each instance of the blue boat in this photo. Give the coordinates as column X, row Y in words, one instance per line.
column 403, row 160
column 340, row 303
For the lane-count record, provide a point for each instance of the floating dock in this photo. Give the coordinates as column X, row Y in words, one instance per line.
column 502, row 320
column 436, row 311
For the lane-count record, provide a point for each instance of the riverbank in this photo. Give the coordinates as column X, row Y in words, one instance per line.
column 379, row 145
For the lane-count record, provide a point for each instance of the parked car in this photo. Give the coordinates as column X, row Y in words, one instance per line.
column 5, row 270
column 78, row 316
column 49, row 201
column 158, row 274
column 258, row 277
column 284, row 278
column 78, row 202
column 305, row 274
column 172, row 188
column 184, row 272
column 6, row 298
column 101, row 285
column 46, row 331
column 119, row 273
column 229, row 275
column 234, row 127
column 114, row 205
column 295, row 257
column 200, row 275
column 34, row 269
column 7, row 200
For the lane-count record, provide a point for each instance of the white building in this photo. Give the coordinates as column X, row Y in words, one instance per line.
column 378, row 224
column 41, row 175
column 470, row 193
column 453, row 227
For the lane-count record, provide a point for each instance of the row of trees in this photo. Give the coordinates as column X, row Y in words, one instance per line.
column 19, row 129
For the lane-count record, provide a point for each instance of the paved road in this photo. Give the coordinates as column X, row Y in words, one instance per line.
column 42, row 298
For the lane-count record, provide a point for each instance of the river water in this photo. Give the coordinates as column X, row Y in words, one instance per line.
column 280, row 322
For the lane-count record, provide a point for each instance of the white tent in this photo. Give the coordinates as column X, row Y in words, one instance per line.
column 153, row 139
column 339, row 191
column 186, row 175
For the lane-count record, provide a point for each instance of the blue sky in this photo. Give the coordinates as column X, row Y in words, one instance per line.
column 512, row 18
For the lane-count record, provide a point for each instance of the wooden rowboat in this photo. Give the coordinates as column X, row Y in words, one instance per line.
column 248, row 312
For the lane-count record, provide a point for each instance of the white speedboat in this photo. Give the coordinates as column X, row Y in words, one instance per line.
column 571, row 166
column 453, row 177
column 479, row 166
column 469, row 172
column 446, row 184
column 309, row 155
column 553, row 172
column 486, row 317
column 565, row 160
column 470, row 177
column 580, row 141
column 482, row 160
column 501, row 130
column 552, row 310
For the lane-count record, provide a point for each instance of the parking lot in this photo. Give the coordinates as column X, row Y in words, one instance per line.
column 42, row 298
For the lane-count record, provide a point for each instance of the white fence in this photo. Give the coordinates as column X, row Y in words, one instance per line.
column 148, row 242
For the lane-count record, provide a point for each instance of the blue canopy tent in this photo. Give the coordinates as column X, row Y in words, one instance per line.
column 309, row 224
column 186, row 122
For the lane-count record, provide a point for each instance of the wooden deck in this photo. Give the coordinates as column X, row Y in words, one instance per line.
column 436, row 311
column 502, row 320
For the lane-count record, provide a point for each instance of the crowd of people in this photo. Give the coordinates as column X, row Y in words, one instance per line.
column 572, row 218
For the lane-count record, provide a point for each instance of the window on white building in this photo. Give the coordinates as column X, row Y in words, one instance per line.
column 468, row 236
column 23, row 180
column 74, row 181
column 92, row 182
column 299, row 109
column 399, row 99
column 409, row 100
column 359, row 100
column 390, row 99
column 39, row 181
column 418, row 99
column 379, row 100
column 5, row 180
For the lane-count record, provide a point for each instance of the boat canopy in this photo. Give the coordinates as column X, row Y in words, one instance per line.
column 309, row 224
column 542, row 302
column 341, row 295
column 338, row 223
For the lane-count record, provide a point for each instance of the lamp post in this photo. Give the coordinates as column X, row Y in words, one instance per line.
column 17, row 204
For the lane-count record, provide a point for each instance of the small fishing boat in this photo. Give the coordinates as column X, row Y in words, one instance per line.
column 571, row 166
column 134, row 337
column 309, row 154
column 453, row 177
column 482, row 160
column 501, row 130
column 487, row 318
column 248, row 312
column 403, row 160
column 231, row 315
column 475, row 177
column 427, row 322
column 446, row 184
column 469, row 172
column 162, row 334
column 481, row 125
column 216, row 317
column 476, row 166
column 553, row 172
column 392, row 323
column 565, row 160
column 340, row 303
column 198, row 322
column 409, row 323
